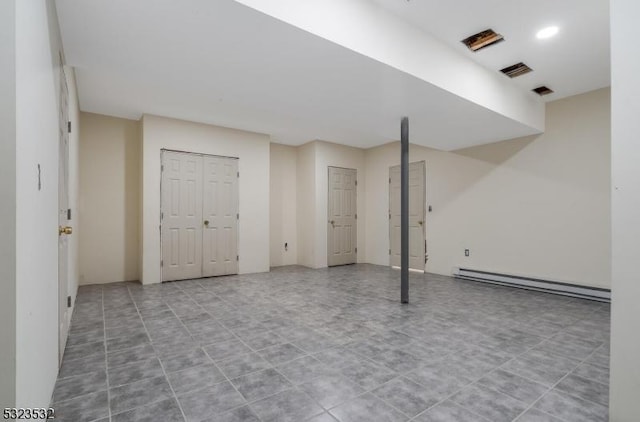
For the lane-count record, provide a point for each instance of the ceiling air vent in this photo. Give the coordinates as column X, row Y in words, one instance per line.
column 518, row 69
column 543, row 90
column 482, row 39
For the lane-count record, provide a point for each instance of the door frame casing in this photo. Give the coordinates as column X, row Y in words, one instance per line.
column 424, row 212
column 162, row 151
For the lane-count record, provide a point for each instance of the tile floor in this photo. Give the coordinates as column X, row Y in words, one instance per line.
column 332, row 344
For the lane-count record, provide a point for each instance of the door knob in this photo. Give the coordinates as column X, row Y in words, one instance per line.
column 64, row 230
column 206, row 223
column 333, row 223
column 420, row 222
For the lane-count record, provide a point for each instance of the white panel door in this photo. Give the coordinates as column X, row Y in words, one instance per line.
column 417, row 245
column 182, row 223
column 220, row 213
column 342, row 238
column 63, row 216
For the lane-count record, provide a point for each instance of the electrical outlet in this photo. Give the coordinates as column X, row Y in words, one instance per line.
column 466, row 252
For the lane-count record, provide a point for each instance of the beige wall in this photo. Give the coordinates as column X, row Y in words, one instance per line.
column 252, row 150
column 537, row 206
column 306, row 210
column 109, row 199
column 625, row 310
column 283, row 203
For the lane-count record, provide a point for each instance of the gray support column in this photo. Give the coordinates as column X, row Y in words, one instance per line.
column 404, row 210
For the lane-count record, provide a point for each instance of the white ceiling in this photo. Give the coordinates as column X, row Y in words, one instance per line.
column 574, row 61
column 223, row 63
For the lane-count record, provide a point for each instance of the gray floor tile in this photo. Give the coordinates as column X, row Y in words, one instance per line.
column 406, row 396
column 162, row 411
column 81, row 366
column 129, row 356
column 263, row 340
column 281, row 353
column 534, row 415
column 226, row 349
column 368, row 375
column 203, row 404
column 323, row 417
column 257, row 385
column 449, row 412
column 133, row 372
column 585, row 389
column 593, row 372
column 304, row 369
column 84, row 408
column 331, row 390
column 194, row 357
column 72, row 387
column 242, row 365
column 366, row 408
column 84, row 350
column 195, row 378
column 513, row 385
column 138, row 394
column 571, row 409
column 241, row 414
column 286, row 406
column 489, row 403
column 453, row 334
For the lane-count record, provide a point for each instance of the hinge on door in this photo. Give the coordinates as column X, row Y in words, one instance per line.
column 237, row 257
column 389, row 251
column 356, row 250
column 389, row 180
column 356, row 183
column 162, row 262
column 238, row 216
column 161, row 215
column 389, row 215
column 356, row 216
column 238, row 174
column 161, row 167
column 69, row 126
column 69, row 214
column 68, row 301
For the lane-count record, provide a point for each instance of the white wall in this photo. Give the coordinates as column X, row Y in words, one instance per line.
column 520, row 206
column 625, row 310
column 253, row 151
column 283, row 203
column 334, row 155
column 37, row 99
column 109, row 199
column 305, row 198
column 8, row 205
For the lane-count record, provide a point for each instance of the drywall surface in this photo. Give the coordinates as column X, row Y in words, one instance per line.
column 109, row 199
column 624, row 405
column 38, row 52
column 535, row 206
column 334, row 155
column 8, row 204
column 252, row 149
column 306, row 210
column 283, row 203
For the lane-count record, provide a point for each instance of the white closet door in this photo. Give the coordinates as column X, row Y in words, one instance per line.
column 417, row 251
column 342, row 238
column 181, row 216
column 220, row 213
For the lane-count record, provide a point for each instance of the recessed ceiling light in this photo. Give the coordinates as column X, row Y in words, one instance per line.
column 547, row 32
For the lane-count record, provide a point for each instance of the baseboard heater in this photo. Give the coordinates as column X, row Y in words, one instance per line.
column 529, row 283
